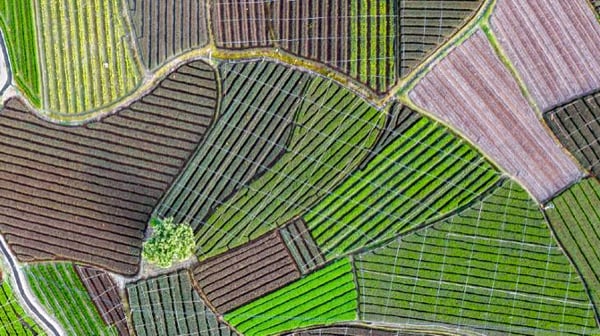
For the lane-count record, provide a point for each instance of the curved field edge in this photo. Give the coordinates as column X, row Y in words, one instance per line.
column 359, row 328
column 17, row 22
column 13, row 318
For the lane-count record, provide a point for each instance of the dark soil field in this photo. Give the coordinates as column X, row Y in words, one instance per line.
column 555, row 67
column 302, row 246
column 241, row 24
column 473, row 92
column 103, row 291
column 167, row 28
column 577, row 126
column 86, row 193
column 244, row 274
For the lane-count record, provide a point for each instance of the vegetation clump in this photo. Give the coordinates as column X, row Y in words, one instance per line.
column 170, row 242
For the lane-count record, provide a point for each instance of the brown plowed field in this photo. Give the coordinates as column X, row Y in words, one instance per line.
column 86, row 193
column 553, row 44
column 241, row 24
column 104, row 294
column 473, row 91
column 246, row 273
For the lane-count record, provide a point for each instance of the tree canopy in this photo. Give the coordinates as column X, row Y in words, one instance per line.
column 170, row 242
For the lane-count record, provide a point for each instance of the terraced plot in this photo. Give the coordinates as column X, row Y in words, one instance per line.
column 493, row 267
column 553, row 45
column 169, row 305
column 334, row 130
column 60, row 291
column 168, row 28
column 323, row 297
column 17, row 21
column 473, row 92
column 105, row 295
column 255, row 124
column 242, row 275
column 577, row 126
column 302, row 246
column 14, row 321
column 240, row 24
column 86, row 193
column 87, row 55
column 575, row 218
column 424, row 174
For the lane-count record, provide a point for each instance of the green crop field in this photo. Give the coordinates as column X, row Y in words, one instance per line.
column 323, row 297
column 493, row 267
column 17, row 21
column 333, row 133
column 60, row 290
column 424, row 173
column 13, row 319
column 575, row 218
column 87, row 55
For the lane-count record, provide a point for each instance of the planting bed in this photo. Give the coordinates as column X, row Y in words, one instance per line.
column 17, row 21
column 553, row 45
column 423, row 174
column 255, row 123
column 473, row 92
column 169, row 305
column 85, row 193
column 240, row 24
column 60, row 291
column 334, row 130
column 88, row 54
column 302, row 246
column 13, row 319
column 355, row 330
column 168, row 28
column 493, row 267
column 325, row 296
column 105, row 295
column 577, row 126
column 244, row 274
column 575, row 218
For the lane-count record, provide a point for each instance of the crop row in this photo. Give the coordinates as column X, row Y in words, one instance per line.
column 87, row 54
column 13, row 319
column 302, row 246
column 577, row 126
column 17, row 21
column 334, row 131
column 255, row 123
column 169, row 305
column 60, row 291
column 575, row 218
column 85, row 193
column 424, row 174
column 493, row 267
column 325, row 296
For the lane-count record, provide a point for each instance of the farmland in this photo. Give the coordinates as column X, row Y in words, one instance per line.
column 334, row 131
column 60, row 291
column 473, row 92
column 323, row 297
column 355, row 330
column 424, row 173
column 13, row 319
column 86, row 193
column 240, row 24
column 169, row 305
column 87, row 55
column 302, row 246
column 577, row 126
column 494, row 267
column 575, row 218
column 255, row 123
column 17, row 21
column 555, row 68
column 167, row 28
column 105, row 295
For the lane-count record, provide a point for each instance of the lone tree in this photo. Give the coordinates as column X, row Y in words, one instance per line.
column 169, row 242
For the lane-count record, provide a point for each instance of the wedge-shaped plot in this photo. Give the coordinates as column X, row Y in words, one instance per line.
column 86, row 193
column 167, row 28
column 324, row 297
column 577, row 126
column 244, row 274
column 169, row 305
column 575, row 218
column 302, row 246
column 493, row 268
column 553, row 45
column 472, row 91
column 105, row 294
